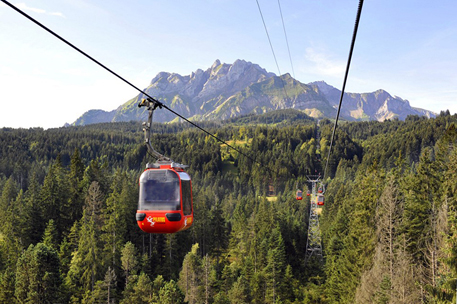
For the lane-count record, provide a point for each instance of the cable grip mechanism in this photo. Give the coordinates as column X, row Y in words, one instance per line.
column 151, row 104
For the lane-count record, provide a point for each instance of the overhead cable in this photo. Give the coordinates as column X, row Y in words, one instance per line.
column 129, row 83
column 287, row 41
column 354, row 35
column 272, row 50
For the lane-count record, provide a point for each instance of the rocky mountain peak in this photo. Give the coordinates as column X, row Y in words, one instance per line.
column 227, row 90
column 216, row 64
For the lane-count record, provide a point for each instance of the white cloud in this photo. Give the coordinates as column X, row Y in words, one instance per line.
column 58, row 14
column 24, row 7
column 323, row 64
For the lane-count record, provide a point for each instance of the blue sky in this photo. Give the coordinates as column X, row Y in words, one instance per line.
column 407, row 48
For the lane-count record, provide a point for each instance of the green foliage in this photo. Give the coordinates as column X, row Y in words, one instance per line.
column 70, row 195
column 50, row 235
column 38, row 278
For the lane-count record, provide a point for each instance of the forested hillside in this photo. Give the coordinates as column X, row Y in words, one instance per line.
column 68, row 200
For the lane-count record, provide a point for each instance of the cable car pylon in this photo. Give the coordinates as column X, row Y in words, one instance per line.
column 314, row 241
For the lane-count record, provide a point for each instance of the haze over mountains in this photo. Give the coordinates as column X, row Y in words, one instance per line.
column 229, row 90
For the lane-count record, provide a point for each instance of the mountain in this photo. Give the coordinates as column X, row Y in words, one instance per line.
column 378, row 105
column 225, row 91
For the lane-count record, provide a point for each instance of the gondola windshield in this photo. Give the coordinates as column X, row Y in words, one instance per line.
column 159, row 190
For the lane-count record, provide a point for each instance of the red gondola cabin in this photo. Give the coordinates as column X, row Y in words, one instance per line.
column 165, row 202
column 320, row 200
column 299, row 195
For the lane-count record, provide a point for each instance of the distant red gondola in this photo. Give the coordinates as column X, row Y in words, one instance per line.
column 308, row 193
column 299, row 195
column 320, row 200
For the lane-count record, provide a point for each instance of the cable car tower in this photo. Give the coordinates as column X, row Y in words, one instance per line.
column 314, row 241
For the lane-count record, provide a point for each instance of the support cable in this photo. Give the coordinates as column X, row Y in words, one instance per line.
column 354, row 35
column 161, row 105
column 287, row 41
column 272, row 50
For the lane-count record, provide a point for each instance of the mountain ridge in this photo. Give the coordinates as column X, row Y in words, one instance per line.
column 225, row 91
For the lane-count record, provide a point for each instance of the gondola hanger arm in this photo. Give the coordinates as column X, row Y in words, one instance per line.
column 151, row 104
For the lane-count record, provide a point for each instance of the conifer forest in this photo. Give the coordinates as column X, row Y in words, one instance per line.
column 69, row 196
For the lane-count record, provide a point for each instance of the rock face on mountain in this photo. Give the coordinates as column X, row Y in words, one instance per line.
column 378, row 105
column 229, row 90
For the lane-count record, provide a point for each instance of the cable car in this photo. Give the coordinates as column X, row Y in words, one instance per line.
column 165, row 201
column 319, row 189
column 320, row 200
column 308, row 193
column 299, row 195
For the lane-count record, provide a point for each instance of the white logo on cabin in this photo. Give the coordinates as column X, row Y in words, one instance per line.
column 151, row 220
column 185, row 221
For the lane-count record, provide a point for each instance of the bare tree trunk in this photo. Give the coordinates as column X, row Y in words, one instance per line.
column 274, row 284
column 206, row 280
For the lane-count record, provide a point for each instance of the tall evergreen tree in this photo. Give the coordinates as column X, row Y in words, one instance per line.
column 275, row 268
column 54, row 198
column 344, row 271
column 171, row 294
column 141, row 291
column 87, row 261
column 37, row 277
column 76, row 195
column 190, row 277
column 50, row 235
column 10, row 234
column 32, row 219
column 421, row 189
column 129, row 260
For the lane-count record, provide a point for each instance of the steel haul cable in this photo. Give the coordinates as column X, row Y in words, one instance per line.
column 129, row 83
column 354, row 35
column 182, row 117
column 287, row 40
column 272, row 50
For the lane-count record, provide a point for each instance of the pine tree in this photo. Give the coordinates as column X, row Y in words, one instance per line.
column 449, row 288
column 404, row 282
column 50, row 235
column 118, row 215
column 33, row 222
column 219, row 235
column 129, row 260
column 239, row 294
column 7, row 284
column 190, row 277
column 37, row 276
column 104, row 291
column 345, row 268
column 171, row 294
column 257, row 287
column 275, row 268
column 87, row 261
column 10, row 234
column 54, row 198
column 418, row 205
column 142, row 291
column 76, row 195
column 376, row 282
